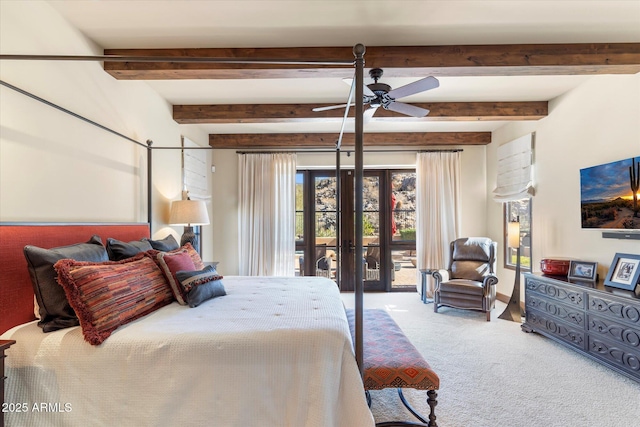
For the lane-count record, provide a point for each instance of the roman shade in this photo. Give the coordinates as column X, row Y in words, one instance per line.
column 515, row 170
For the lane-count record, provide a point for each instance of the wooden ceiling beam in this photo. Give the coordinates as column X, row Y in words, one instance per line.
column 283, row 113
column 293, row 141
column 397, row 61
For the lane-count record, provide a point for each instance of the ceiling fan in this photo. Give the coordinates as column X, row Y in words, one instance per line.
column 381, row 95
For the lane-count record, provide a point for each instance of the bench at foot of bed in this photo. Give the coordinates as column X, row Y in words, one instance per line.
column 392, row 361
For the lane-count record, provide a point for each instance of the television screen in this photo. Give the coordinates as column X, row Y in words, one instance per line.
column 609, row 195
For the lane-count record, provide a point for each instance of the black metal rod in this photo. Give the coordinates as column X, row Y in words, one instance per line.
column 198, row 59
column 346, row 115
column 64, row 110
column 181, row 148
column 338, row 219
column 348, row 152
column 358, row 51
column 149, row 180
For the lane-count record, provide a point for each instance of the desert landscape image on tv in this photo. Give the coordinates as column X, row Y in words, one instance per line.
column 609, row 195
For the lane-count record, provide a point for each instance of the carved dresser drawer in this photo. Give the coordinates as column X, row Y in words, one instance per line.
column 588, row 318
column 622, row 309
column 618, row 356
column 552, row 326
column 570, row 314
column 573, row 297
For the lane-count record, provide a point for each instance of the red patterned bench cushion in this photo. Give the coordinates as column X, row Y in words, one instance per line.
column 390, row 360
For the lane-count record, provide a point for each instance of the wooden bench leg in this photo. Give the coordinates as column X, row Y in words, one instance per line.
column 432, row 402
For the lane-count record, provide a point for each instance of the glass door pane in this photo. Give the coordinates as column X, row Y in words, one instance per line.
column 300, row 240
column 403, row 230
column 371, row 229
column 326, row 217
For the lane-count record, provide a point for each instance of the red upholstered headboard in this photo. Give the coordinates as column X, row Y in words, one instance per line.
column 16, row 292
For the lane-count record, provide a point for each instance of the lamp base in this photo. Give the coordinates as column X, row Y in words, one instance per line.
column 513, row 312
column 189, row 237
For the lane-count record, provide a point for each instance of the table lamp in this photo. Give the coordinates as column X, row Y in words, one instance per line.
column 189, row 213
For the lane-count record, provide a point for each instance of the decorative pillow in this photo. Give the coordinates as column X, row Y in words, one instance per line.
column 165, row 245
column 54, row 309
column 201, row 285
column 118, row 250
column 195, row 256
column 172, row 262
column 110, row 294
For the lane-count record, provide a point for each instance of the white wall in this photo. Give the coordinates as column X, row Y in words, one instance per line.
column 225, row 185
column 597, row 122
column 56, row 168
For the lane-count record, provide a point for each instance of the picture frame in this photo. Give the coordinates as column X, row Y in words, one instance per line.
column 624, row 272
column 583, row 271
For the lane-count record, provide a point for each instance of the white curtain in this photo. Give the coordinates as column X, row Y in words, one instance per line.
column 438, row 209
column 267, row 214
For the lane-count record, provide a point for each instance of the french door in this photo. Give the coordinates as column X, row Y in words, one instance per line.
column 325, row 242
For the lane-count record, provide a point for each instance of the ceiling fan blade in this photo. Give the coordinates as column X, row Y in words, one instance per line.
column 332, row 107
column 415, row 87
column 368, row 114
column 365, row 90
column 408, row 109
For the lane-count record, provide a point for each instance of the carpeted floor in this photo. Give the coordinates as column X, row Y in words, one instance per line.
column 494, row 375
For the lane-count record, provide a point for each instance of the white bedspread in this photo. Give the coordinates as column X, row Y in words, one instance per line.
column 272, row 352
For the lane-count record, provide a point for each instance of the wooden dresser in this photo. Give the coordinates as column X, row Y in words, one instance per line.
column 601, row 323
column 4, row 344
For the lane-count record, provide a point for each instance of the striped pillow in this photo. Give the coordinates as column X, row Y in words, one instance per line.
column 110, row 294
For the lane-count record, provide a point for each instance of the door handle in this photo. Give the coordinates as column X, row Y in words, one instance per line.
column 349, row 245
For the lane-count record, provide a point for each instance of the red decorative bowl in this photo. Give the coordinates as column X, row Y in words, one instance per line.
column 555, row 266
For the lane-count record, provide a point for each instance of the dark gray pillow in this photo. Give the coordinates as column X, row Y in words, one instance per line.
column 118, row 250
column 201, row 285
column 165, row 245
column 55, row 311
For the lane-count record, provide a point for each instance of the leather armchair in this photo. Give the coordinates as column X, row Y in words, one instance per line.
column 469, row 282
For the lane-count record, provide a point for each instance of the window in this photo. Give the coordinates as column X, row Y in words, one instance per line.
column 518, row 210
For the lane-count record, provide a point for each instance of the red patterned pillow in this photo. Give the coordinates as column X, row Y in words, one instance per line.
column 195, row 256
column 172, row 262
column 106, row 295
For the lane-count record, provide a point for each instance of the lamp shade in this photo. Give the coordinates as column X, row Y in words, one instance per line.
column 513, row 231
column 189, row 212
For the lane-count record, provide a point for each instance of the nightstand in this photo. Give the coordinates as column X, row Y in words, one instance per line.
column 4, row 344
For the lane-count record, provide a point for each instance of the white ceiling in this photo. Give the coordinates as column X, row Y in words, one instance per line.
column 257, row 23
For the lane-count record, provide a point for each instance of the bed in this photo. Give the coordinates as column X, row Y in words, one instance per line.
column 271, row 352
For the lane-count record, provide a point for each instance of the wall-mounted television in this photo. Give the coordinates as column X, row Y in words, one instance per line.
column 609, row 195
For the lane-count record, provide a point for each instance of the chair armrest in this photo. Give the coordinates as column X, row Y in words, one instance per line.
column 441, row 276
column 489, row 281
